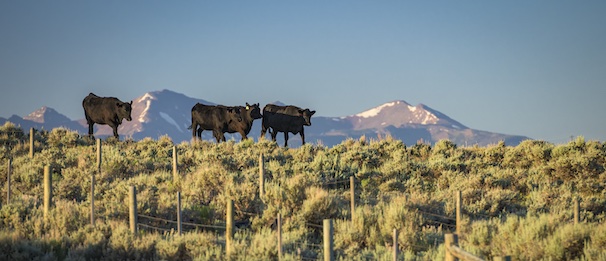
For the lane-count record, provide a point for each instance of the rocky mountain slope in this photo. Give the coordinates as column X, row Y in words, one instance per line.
column 166, row 112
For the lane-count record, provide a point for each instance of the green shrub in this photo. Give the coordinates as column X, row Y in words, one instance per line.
column 513, row 197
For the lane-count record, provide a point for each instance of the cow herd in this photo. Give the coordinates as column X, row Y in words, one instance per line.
column 216, row 118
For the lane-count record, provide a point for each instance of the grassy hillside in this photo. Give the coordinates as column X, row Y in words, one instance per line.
column 513, row 198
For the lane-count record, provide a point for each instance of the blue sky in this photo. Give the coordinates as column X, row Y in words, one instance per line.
column 533, row 68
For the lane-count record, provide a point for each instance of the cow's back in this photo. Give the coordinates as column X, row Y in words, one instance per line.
column 282, row 118
column 210, row 117
column 288, row 110
column 99, row 109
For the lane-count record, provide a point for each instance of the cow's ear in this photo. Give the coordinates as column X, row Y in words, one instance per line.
column 313, row 112
column 247, row 105
column 131, row 103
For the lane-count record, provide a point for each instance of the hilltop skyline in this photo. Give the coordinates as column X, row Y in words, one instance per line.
column 168, row 113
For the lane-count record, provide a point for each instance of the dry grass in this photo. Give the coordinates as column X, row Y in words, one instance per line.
column 513, row 197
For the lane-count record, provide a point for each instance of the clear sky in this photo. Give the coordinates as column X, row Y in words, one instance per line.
column 533, row 68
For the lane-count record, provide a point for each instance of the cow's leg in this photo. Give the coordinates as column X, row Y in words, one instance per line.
column 273, row 133
column 216, row 135
column 263, row 131
column 90, row 129
column 286, row 139
column 244, row 137
column 115, row 128
column 194, row 130
column 200, row 130
column 302, row 136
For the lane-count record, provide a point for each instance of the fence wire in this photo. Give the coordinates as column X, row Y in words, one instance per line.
column 154, row 228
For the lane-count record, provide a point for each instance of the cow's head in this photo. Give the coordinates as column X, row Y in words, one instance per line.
column 306, row 114
column 124, row 110
column 234, row 114
column 254, row 111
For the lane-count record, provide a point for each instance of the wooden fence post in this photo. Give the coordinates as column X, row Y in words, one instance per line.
column 575, row 203
column 395, row 244
column 31, row 143
column 450, row 240
column 8, row 180
column 179, row 218
column 92, row 183
column 48, row 190
column 133, row 209
column 229, row 228
column 458, row 212
column 328, row 240
column 261, row 177
column 175, row 170
column 99, row 156
column 92, row 199
column 352, row 196
column 279, row 236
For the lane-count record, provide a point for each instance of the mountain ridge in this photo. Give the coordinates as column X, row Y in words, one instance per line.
column 165, row 112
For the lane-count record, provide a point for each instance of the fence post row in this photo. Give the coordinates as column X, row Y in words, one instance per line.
column 175, row 171
column 458, row 212
column 450, row 240
column 92, row 184
column 261, row 177
column 352, row 195
column 92, row 199
column 133, row 209
column 279, row 221
column 31, row 143
column 229, row 228
column 99, row 155
column 328, row 240
column 575, row 203
column 48, row 190
column 179, row 218
column 395, row 244
column 8, row 181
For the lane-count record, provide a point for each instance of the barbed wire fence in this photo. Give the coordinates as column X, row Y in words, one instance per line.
column 166, row 226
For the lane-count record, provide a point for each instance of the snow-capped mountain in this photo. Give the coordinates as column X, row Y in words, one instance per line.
column 399, row 114
column 168, row 113
column 44, row 118
column 408, row 123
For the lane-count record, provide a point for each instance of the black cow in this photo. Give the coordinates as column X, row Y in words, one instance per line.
column 215, row 118
column 285, row 119
column 248, row 114
column 105, row 110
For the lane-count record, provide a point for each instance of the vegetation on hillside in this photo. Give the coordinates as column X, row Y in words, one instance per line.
column 513, row 198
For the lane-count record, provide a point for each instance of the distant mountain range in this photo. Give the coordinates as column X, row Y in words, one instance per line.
column 166, row 112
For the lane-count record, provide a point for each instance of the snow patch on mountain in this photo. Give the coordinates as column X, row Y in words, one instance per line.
column 429, row 119
column 170, row 120
column 147, row 98
column 375, row 111
column 37, row 115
